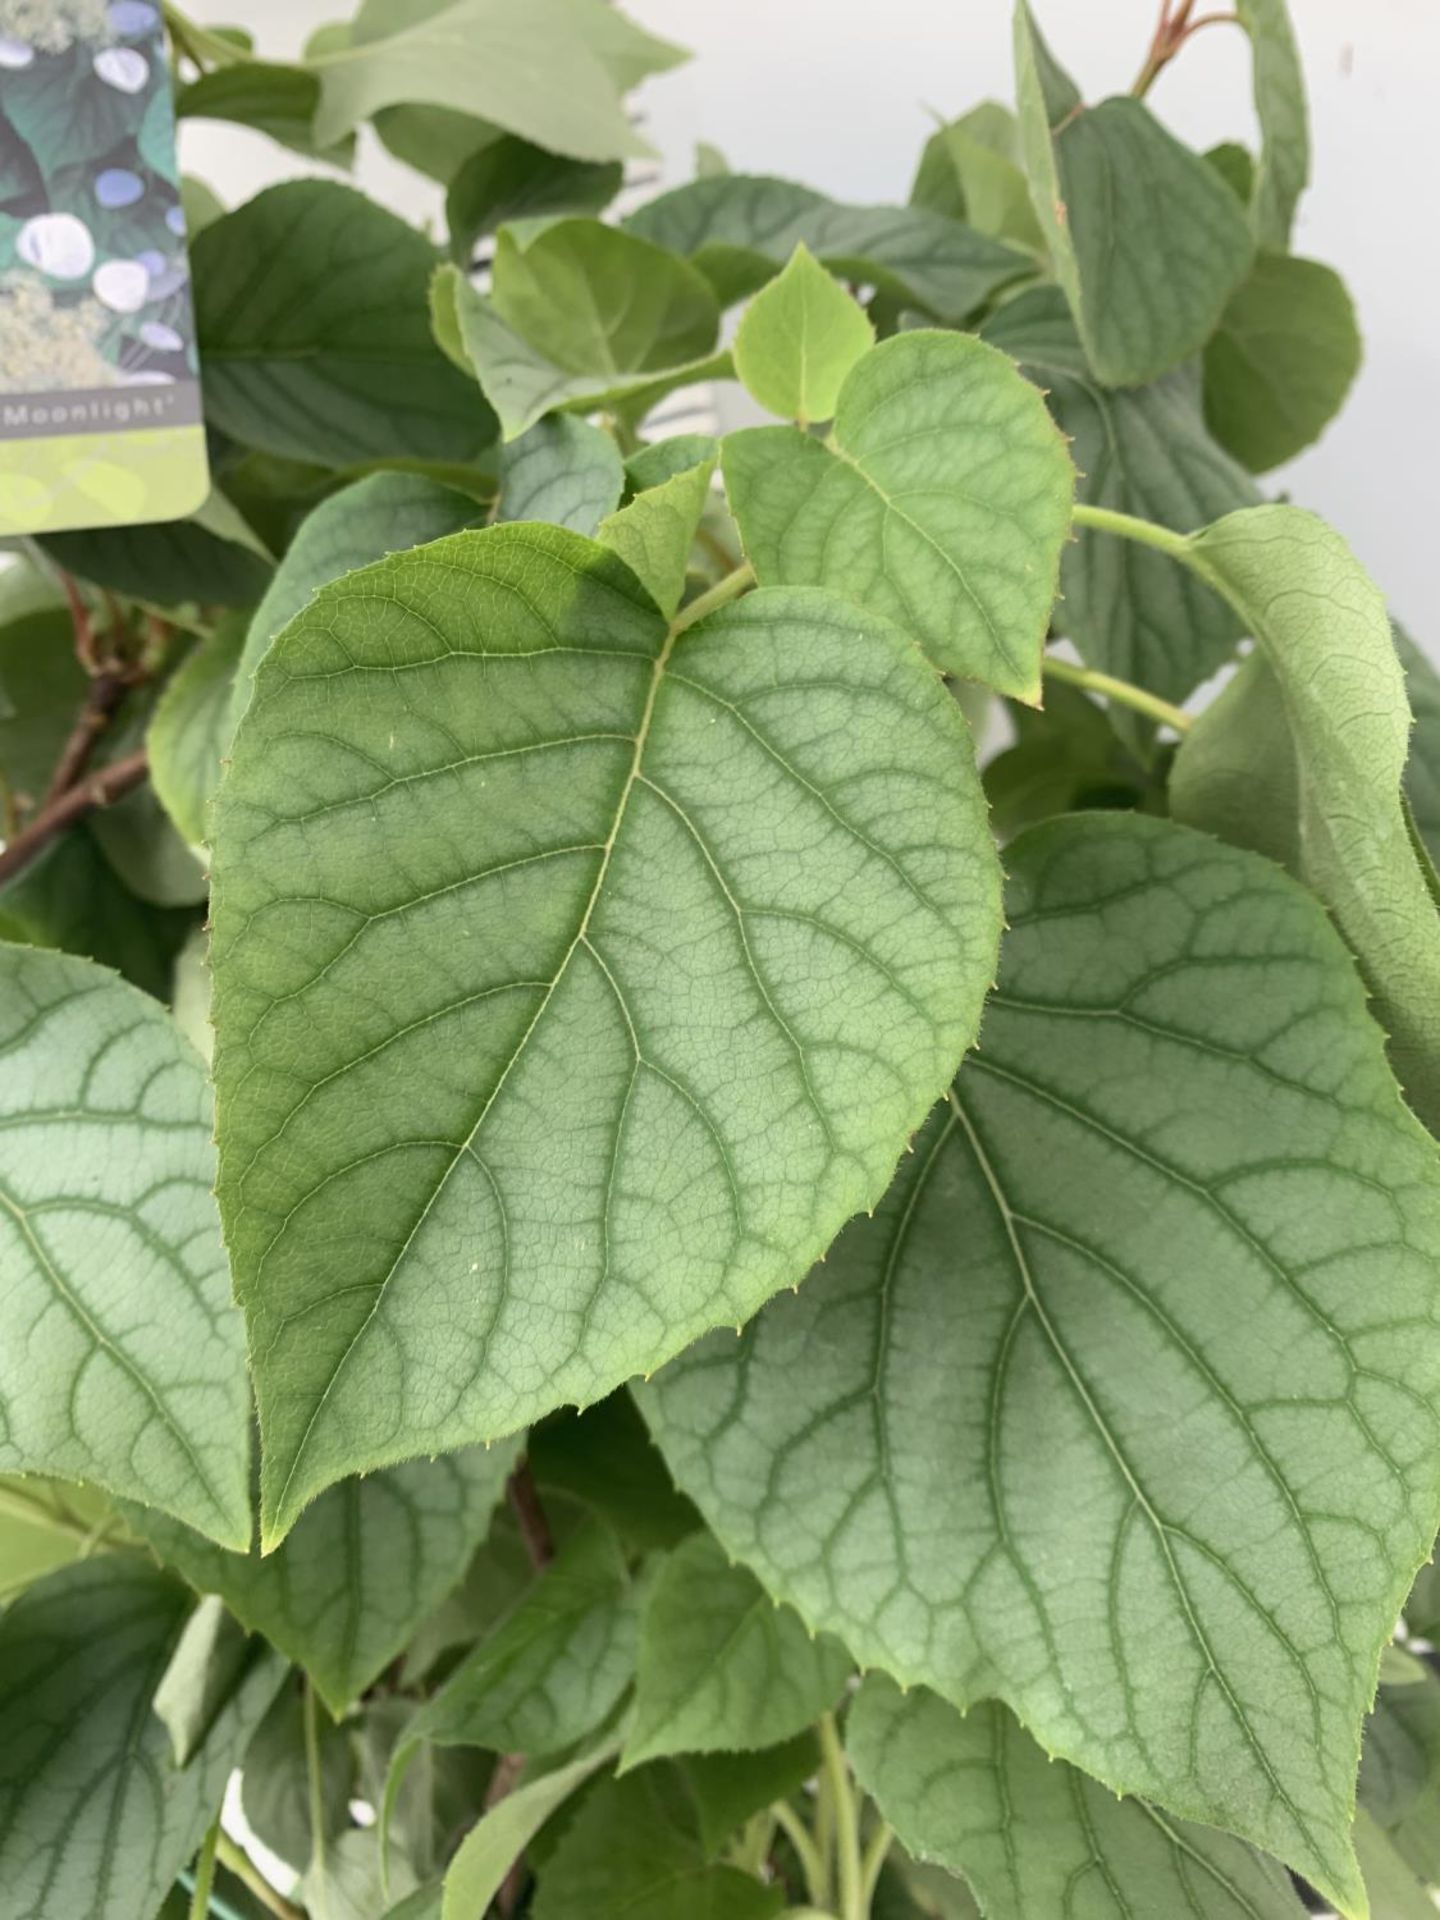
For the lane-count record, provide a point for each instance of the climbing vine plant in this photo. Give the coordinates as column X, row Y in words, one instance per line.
column 706, row 1206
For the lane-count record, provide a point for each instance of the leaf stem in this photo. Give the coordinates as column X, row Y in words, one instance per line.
column 205, row 1872
column 877, row 1850
column 1129, row 527
column 315, row 1784
column 720, row 595
column 530, row 1516
column 1121, row 691
column 849, row 1872
column 806, row 1851
column 244, row 1869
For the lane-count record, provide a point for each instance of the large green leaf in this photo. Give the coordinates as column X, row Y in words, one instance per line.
column 273, row 99
column 740, row 229
column 1144, row 450
column 1284, row 169
column 728, row 1789
column 553, row 1670
column 310, row 303
column 974, row 1793
column 1400, row 1764
column 552, row 71
column 721, row 1667
column 655, row 533
column 483, row 1151
column 1422, row 768
column 606, row 1458
column 95, row 1818
column 360, row 1572
column 1035, row 1430
column 1280, row 364
column 190, row 728
column 564, row 471
column 122, row 1360
column 513, row 180
column 42, row 688
column 384, row 513
column 1322, row 626
column 1145, row 237
column 971, row 170
column 211, row 557
column 941, row 500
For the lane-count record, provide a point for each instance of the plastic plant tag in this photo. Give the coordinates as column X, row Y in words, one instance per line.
column 100, row 420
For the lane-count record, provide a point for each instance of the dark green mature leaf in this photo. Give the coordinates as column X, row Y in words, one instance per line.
column 1281, row 362
column 384, row 513
column 274, row 1785
column 740, row 229
column 941, row 500
column 1237, row 777
column 95, row 1818
column 1321, row 624
column 552, row 71
column 1422, row 768
column 729, row 1788
column 721, row 1667
column 1144, row 450
column 277, row 100
column 475, row 1122
column 136, row 835
column 606, row 1458
column 564, row 471
column 362, row 1570
column 552, row 1672
column 122, row 1360
column 310, row 302
column 170, row 561
column 190, row 728
column 976, row 1794
column 1284, row 168
column 1146, row 239
column 1046, row 1402
column 654, row 534
column 513, row 180
column 1400, row 1760
column 42, row 686
column 971, row 171
column 629, row 1855
column 1067, row 758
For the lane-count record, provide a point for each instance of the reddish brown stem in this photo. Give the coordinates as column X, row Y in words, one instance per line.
column 101, row 789
column 1172, row 30
column 524, row 1497
column 107, row 690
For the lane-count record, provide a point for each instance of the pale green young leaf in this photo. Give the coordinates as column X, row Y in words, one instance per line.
column 941, row 500
column 95, row 1817
column 384, row 513
column 273, row 99
column 1321, row 623
column 740, row 229
column 1045, row 1402
column 210, row 1662
column 552, row 71
column 663, row 459
column 361, row 1571
column 971, row 170
column 975, row 1793
column 190, row 728
column 1146, row 239
column 1284, row 166
column 512, row 180
column 653, row 535
column 1278, row 367
column 44, row 1525
column 496, row 1841
column 630, row 1854
column 797, row 340
column 561, row 470
column 1143, row 450
column 475, row 1125
column 721, row 1667
column 122, row 1359
column 553, row 1670
column 310, row 306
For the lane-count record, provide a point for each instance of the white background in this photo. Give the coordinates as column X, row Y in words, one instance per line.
column 838, row 93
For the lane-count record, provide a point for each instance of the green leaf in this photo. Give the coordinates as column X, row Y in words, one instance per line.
column 461, row 1102
column 310, row 303
column 501, row 1835
column 730, row 1788
column 1237, row 776
column 1400, row 1760
column 137, row 835
column 273, row 99
column 1067, row 758
column 168, row 561
column 1395, row 1892
column 1422, row 769
column 1281, row 362
column 564, row 471
column 1236, row 167
column 941, row 500
column 1146, row 239
column 359, row 1573
column 123, row 1359
column 384, row 513
column 606, row 1458
column 552, row 1672
column 1143, row 450
column 1015, row 1418
column 550, row 70
column 42, row 687
column 740, row 229
column 1322, row 626
column 974, row 1793
column 970, row 170
column 513, row 180
column 190, row 728
column 653, row 465
column 210, row 1662
column 797, row 340
column 95, row 1818
column 1284, row 169
column 627, row 1856
column 274, row 1783
column 439, row 1795
column 721, row 1667
column 654, row 534
column 45, row 1525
